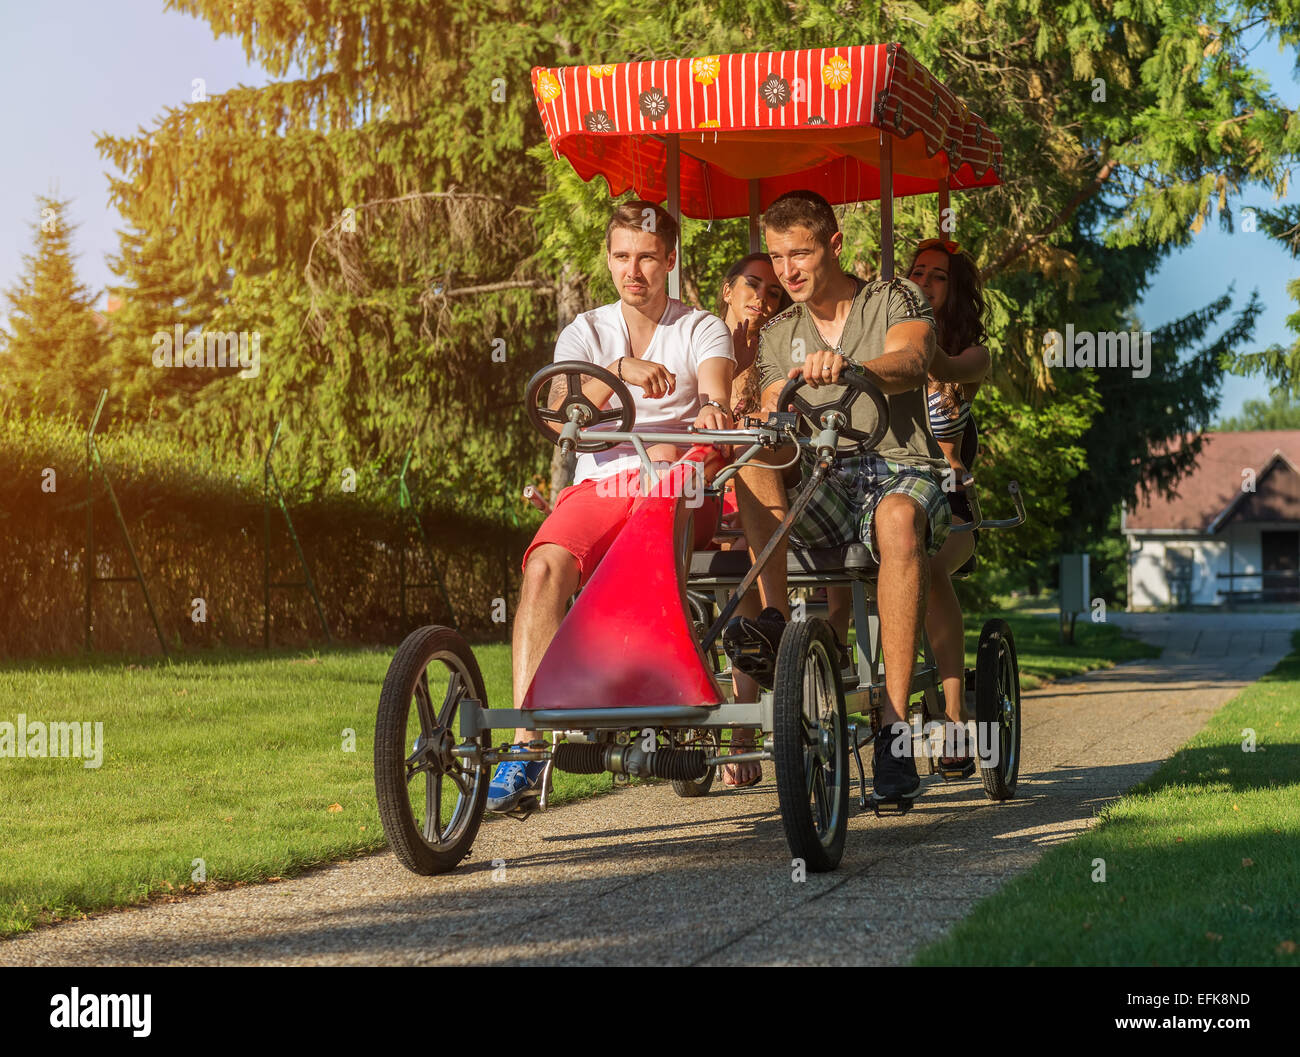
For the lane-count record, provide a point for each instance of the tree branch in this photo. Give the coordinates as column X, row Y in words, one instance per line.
column 1025, row 245
column 542, row 286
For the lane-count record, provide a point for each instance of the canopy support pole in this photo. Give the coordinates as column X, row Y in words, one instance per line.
column 943, row 210
column 886, row 206
column 753, row 216
column 674, row 180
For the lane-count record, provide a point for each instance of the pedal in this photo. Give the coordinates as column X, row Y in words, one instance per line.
column 957, row 774
column 529, row 805
column 899, row 805
column 746, row 660
column 533, row 803
column 753, row 664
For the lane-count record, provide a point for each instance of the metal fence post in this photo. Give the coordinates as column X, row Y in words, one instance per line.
column 93, row 463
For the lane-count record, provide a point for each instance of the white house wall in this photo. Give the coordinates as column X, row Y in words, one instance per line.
column 1148, row 583
column 1247, row 556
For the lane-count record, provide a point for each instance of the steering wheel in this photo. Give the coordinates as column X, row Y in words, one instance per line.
column 855, row 382
column 572, row 371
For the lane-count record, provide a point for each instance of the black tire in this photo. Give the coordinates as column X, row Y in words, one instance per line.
column 703, row 611
column 698, row 787
column 420, row 847
column 997, row 707
column 709, row 741
column 810, row 745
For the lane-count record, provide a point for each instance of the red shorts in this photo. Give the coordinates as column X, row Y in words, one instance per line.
column 586, row 519
column 730, row 504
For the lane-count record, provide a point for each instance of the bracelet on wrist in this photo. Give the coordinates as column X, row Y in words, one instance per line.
column 706, row 403
column 620, row 370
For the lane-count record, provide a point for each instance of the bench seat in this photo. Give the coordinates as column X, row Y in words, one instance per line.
column 849, row 562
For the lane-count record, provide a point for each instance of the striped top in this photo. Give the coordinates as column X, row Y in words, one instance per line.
column 944, row 424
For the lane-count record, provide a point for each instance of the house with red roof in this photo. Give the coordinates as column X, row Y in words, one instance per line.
column 1231, row 533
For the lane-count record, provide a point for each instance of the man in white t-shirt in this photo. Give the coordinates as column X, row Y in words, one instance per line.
column 677, row 363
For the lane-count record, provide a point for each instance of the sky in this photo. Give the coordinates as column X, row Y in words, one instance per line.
column 114, row 67
column 1192, row 277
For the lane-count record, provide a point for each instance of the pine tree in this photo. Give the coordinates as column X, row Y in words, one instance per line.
column 370, row 218
column 54, row 347
column 158, row 294
column 1124, row 128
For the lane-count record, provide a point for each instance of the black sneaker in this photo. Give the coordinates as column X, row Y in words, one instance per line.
column 752, row 645
column 894, row 777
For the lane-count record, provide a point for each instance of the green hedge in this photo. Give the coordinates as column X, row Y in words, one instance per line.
column 196, row 522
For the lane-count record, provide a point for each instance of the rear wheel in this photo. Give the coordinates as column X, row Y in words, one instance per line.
column 698, row 739
column 997, row 710
column 431, row 802
column 810, row 745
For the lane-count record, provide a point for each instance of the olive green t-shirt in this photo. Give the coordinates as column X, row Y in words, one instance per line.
column 787, row 338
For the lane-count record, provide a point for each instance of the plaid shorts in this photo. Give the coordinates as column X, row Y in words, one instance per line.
column 841, row 511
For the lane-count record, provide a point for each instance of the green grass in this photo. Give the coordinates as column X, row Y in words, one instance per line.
column 1201, row 860
column 1043, row 656
column 236, row 758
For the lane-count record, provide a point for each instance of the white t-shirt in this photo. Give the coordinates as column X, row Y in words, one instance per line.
column 683, row 339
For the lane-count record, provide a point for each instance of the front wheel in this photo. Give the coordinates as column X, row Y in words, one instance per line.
column 430, row 801
column 811, row 749
column 997, row 710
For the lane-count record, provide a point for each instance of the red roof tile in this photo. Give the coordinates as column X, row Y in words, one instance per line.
column 1215, row 483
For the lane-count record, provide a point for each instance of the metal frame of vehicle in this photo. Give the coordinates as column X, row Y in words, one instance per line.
column 804, row 718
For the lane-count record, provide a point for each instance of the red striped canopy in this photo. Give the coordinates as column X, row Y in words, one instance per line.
column 788, row 119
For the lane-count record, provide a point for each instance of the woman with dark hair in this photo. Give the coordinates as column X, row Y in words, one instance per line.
column 950, row 281
column 750, row 295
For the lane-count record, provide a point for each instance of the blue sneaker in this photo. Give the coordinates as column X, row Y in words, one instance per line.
column 512, row 781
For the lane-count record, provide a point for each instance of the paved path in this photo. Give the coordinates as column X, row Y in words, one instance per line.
column 644, row 877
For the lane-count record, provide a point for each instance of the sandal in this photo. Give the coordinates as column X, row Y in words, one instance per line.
column 729, row 770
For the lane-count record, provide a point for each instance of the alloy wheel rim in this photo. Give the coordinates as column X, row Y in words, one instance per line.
column 432, row 758
column 822, row 735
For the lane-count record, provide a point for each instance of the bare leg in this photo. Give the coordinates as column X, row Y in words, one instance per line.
column 744, row 687
column 550, row 577
column 760, row 493
column 943, row 622
column 839, row 610
column 899, row 526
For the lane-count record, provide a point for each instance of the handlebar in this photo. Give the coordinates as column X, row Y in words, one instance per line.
column 855, row 382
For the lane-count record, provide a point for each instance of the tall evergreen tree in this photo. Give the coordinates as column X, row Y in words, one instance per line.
column 160, row 293
column 54, row 348
column 385, row 317
column 369, row 218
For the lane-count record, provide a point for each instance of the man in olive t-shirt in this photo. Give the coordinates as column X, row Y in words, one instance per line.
column 889, row 499
column 874, row 310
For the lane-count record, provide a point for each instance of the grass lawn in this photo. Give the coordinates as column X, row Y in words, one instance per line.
column 1201, row 860
column 1043, row 656
column 239, row 759
column 236, row 759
